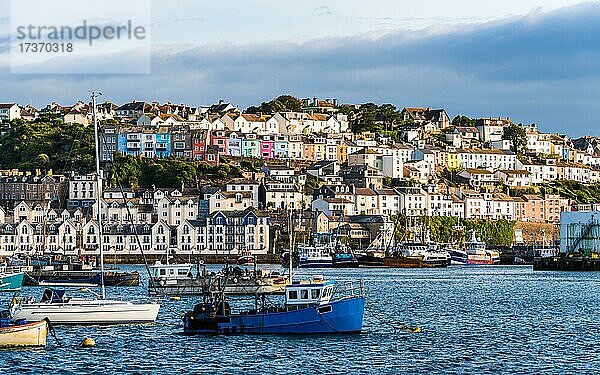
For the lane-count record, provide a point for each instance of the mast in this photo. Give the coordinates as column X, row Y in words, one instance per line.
column 99, row 194
column 291, row 245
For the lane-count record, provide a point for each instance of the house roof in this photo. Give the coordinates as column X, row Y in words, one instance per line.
column 134, row 106
column 337, row 200
column 478, row 171
column 243, row 181
column 514, row 172
column 364, row 191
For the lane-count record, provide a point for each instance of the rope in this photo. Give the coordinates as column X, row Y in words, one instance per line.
column 52, row 331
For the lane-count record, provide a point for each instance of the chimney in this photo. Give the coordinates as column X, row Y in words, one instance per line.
column 314, row 101
column 335, row 102
column 221, row 101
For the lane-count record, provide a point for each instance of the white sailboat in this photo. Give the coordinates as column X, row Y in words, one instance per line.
column 61, row 309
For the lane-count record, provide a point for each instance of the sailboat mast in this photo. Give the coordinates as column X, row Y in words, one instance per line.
column 98, row 195
column 291, row 245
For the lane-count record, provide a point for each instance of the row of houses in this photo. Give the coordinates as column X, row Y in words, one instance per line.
column 231, row 232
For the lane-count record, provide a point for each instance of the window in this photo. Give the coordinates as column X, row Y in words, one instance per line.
column 315, row 293
column 292, row 294
column 304, row 294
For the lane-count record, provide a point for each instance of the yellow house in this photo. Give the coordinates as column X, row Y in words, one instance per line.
column 452, row 160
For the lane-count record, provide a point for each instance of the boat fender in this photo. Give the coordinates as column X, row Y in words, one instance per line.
column 161, row 282
column 235, row 280
column 88, row 343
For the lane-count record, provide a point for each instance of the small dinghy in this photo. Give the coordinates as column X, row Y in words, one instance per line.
column 20, row 334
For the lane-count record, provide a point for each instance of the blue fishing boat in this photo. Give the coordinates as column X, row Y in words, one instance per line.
column 10, row 282
column 310, row 307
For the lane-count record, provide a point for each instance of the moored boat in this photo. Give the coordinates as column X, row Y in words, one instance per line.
column 344, row 260
column 80, row 278
column 19, row 334
column 315, row 256
column 59, row 308
column 371, row 259
column 431, row 255
column 457, row 256
column 310, row 307
column 10, row 282
column 478, row 254
column 187, row 279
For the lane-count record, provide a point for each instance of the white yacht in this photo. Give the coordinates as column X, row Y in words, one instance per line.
column 62, row 309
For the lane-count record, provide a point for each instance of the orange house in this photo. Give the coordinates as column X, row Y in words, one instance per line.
column 308, row 151
column 342, row 153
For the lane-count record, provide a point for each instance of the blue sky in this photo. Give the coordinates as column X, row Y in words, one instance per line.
column 534, row 61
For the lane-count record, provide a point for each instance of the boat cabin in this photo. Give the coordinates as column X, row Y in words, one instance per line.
column 311, row 292
column 171, row 271
column 54, row 296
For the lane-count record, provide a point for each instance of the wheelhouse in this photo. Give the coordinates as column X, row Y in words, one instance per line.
column 309, row 292
column 171, row 271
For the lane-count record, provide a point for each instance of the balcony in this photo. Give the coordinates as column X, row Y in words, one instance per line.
column 133, row 145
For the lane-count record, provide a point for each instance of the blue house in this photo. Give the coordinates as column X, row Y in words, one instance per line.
column 281, row 149
column 234, row 145
column 162, row 145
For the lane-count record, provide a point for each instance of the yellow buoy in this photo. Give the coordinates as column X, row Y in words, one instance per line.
column 175, row 298
column 414, row 329
column 88, row 343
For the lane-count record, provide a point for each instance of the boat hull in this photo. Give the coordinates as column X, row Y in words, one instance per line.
column 343, row 316
column 345, row 262
column 25, row 335
column 316, row 263
column 11, row 282
column 90, row 312
column 80, row 278
column 477, row 261
column 403, row 262
column 458, row 257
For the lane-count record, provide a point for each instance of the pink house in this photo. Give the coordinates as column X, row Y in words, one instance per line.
column 219, row 139
column 267, row 149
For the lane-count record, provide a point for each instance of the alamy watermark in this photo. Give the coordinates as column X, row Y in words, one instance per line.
column 80, row 36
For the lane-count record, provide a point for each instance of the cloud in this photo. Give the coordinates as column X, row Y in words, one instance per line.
column 538, row 68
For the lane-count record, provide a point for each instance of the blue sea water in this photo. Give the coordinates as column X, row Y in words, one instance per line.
column 474, row 320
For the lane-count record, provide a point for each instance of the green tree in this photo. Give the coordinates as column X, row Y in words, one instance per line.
column 390, row 115
column 516, row 134
column 460, row 120
column 283, row 103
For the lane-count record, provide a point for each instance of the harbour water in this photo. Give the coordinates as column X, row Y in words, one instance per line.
column 474, row 320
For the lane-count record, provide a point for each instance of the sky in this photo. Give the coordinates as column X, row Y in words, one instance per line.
column 532, row 61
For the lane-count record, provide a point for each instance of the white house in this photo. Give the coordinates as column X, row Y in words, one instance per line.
column 9, row 111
